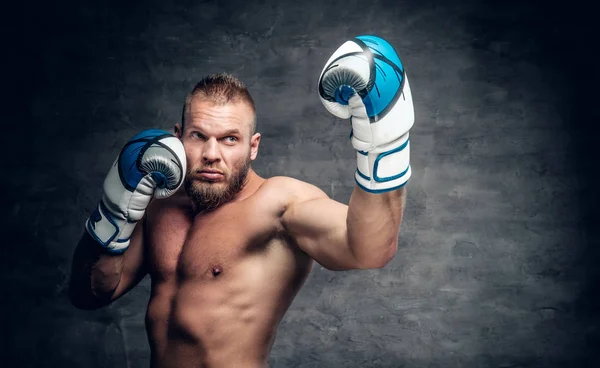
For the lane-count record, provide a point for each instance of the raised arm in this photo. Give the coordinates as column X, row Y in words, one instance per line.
column 109, row 259
column 362, row 235
column 363, row 80
column 373, row 225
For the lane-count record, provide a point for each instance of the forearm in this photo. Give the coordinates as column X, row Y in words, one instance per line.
column 373, row 223
column 95, row 275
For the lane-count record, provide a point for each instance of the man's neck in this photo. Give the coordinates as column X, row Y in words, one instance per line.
column 251, row 185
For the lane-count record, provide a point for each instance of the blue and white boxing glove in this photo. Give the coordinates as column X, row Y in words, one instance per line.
column 151, row 164
column 365, row 80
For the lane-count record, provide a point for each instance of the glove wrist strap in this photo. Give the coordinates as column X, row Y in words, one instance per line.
column 111, row 232
column 384, row 168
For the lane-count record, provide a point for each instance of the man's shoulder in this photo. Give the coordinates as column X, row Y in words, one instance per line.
column 292, row 189
column 177, row 202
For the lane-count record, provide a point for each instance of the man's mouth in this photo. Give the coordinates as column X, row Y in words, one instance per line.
column 211, row 175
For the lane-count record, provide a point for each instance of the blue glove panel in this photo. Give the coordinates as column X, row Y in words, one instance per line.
column 131, row 156
column 388, row 78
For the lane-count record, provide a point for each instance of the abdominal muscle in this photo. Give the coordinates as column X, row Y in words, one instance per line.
column 225, row 321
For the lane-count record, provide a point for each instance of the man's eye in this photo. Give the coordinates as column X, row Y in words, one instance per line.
column 231, row 139
column 197, row 135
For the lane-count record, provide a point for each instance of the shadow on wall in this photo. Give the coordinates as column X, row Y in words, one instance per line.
column 556, row 41
column 583, row 118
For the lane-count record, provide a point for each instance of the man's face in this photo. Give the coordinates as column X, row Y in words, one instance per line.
column 219, row 148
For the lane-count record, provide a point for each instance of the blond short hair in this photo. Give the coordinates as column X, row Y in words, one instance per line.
column 221, row 88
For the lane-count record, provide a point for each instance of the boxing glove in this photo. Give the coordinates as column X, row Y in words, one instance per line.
column 365, row 80
column 151, row 164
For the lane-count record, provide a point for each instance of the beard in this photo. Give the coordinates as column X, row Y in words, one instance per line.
column 207, row 195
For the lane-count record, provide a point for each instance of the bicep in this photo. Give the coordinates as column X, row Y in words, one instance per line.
column 318, row 227
column 134, row 265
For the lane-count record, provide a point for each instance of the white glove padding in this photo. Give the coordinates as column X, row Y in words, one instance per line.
column 152, row 163
column 364, row 79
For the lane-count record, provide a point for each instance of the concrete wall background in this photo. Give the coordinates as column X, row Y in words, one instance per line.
column 497, row 265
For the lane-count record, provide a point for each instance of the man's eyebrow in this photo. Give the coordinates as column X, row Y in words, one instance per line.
column 225, row 133
column 232, row 131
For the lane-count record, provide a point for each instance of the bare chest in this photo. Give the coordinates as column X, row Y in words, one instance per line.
column 182, row 246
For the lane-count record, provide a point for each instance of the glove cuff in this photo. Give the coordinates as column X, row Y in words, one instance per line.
column 384, row 168
column 111, row 232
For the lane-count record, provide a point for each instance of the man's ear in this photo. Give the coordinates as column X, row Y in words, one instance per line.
column 254, row 142
column 178, row 129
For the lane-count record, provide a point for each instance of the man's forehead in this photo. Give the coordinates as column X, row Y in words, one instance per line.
column 231, row 110
column 202, row 100
column 225, row 116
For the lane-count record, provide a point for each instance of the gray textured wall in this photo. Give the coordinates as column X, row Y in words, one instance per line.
column 498, row 251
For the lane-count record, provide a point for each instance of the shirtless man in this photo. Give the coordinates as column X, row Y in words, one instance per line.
column 226, row 249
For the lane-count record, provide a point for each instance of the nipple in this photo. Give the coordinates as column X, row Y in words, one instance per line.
column 216, row 271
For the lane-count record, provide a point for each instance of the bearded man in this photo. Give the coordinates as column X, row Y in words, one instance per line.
column 227, row 250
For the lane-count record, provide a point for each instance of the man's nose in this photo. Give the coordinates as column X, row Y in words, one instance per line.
column 210, row 150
